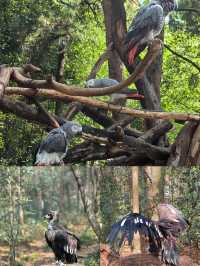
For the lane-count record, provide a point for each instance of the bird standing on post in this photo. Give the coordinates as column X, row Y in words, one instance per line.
column 162, row 234
column 63, row 243
column 54, row 148
column 146, row 25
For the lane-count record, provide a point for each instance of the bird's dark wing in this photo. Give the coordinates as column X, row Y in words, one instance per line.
column 54, row 142
column 126, row 228
column 60, row 227
column 148, row 18
column 66, row 241
column 47, row 240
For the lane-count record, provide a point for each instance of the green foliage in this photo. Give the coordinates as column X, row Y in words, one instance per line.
column 93, row 259
column 87, row 237
column 185, row 195
column 114, row 197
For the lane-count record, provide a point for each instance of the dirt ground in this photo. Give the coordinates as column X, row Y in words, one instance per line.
column 38, row 254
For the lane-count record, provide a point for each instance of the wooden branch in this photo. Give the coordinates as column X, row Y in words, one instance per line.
column 133, row 160
column 97, row 116
column 73, row 109
column 51, row 119
column 188, row 10
column 51, row 94
column 152, row 152
column 180, row 149
column 194, row 151
column 72, row 90
column 26, row 112
column 154, row 134
column 5, row 73
column 182, row 57
column 100, row 62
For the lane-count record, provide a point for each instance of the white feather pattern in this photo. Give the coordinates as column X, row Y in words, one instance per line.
column 123, row 222
column 45, row 158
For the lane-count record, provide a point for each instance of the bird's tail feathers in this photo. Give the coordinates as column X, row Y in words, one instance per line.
column 169, row 253
column 135, row 96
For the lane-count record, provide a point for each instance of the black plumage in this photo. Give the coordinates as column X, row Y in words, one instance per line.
column 161, row 234
column 63, row 242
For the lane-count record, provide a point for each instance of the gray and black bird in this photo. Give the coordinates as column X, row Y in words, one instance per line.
column 54, row 148
column 118, row 97
column 162, row 234
column 63, row 242
column 146, row 25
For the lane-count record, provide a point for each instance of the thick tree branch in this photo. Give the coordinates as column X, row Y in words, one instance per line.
column 5, row 73
column 51, row 94
column 188, row 10
column 25, row 111
column 49, row 117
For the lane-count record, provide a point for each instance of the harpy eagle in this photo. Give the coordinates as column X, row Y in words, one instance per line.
column 146, row 25
column 161, row 234
column 54, row 148
column 117, row 97
column 63, row 243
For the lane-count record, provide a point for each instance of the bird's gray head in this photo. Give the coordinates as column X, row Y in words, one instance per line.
column 72, row 128
column 52, row 216
column 167, row 5
column 90, row 83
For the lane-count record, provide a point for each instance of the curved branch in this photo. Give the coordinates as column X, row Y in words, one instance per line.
column 51, row 94
column 182, row 57
column 5, row 73
column 153, row 51
column 188, row 10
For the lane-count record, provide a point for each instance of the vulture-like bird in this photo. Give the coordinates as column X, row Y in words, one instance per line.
column 54, row 148
column 161, row 234
column 117, row 97
column 63, row 243
column 146, row 25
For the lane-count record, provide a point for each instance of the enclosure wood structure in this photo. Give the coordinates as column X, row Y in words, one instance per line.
column 115, row 143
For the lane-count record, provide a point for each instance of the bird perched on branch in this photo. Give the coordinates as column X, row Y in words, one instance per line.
column 161, row 234
column 146, row 25
column 54, row 148
column 63, row 243
column 118, row 97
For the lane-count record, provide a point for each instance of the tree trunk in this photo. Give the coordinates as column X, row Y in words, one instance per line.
column 154, row 174
column 60, row 75
column 136, row 206
column 114, row 62
column 21, row 211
